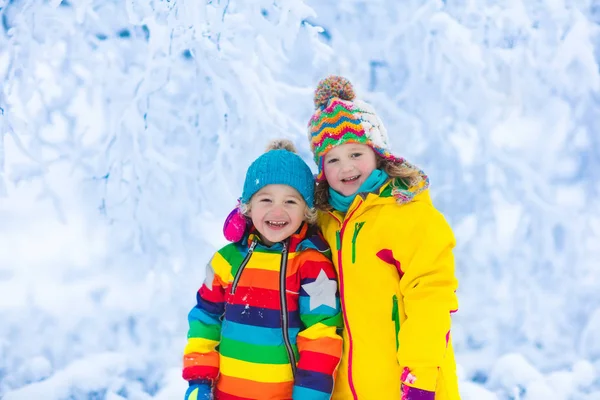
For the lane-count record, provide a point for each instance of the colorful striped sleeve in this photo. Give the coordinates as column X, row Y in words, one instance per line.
column 319, row 345
column 201, row 359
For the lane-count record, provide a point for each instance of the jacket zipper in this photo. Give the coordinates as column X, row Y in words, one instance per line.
column 357, row 227
column 284, row 308
column 396, row 319
column 238, row 275
column 340, row 236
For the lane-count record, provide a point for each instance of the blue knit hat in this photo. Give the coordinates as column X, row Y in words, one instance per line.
column 280, row 165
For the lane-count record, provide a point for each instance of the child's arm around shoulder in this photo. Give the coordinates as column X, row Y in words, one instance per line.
column 201, row 359
column 319, row 345
column 428, row 287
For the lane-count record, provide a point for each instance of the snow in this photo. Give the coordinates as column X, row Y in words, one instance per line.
column 590, row 339
column 126, row 128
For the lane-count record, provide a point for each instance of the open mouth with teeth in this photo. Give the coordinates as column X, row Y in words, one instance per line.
column 351, row 179
column 276, row 224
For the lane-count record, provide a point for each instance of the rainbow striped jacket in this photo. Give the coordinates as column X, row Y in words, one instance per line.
column 266, row 321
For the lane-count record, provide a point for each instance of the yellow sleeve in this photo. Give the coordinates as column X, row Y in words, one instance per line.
column 427, row 290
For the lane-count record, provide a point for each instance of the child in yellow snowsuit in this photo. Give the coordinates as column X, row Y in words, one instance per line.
column 393, row 253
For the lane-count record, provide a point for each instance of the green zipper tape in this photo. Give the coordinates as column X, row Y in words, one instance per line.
column 357, row 227
column 396, row 319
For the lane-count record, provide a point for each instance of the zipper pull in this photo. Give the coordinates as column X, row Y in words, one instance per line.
column 236, row 278
column 252, row 245
column 337, row 240
column 285, row 244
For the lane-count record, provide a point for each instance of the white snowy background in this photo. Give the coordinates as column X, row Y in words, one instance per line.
column 126, row 127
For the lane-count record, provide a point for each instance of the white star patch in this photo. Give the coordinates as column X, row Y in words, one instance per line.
column 209, row 277
column 321, row 292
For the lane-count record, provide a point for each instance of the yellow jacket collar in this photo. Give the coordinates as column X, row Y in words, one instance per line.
column 393, row 191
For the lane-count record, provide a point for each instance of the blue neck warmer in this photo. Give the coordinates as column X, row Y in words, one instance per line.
column 373, row 182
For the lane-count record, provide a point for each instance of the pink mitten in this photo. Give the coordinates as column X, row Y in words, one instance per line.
column 234, row 227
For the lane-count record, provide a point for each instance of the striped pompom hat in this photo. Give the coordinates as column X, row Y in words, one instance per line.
column 340, row 118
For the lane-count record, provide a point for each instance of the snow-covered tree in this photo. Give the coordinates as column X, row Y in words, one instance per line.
column 152, row 105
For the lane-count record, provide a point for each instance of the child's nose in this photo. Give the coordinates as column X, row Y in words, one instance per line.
column 277, row 210
column 346, row 166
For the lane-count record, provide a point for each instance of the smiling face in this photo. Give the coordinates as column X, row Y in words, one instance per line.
column 347, row 166
column 277, row 211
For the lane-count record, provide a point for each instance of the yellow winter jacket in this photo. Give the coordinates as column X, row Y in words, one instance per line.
column 397, row 286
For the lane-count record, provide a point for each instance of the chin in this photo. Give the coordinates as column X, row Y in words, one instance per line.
column 349, row 191
column 277, row 238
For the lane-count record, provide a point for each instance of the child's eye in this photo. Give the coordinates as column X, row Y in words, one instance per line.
column 356, row 155
column 291, row 202
column 332, row 160
column 265, row 200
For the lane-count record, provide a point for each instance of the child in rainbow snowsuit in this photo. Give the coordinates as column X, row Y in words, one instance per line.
column 266, row 319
